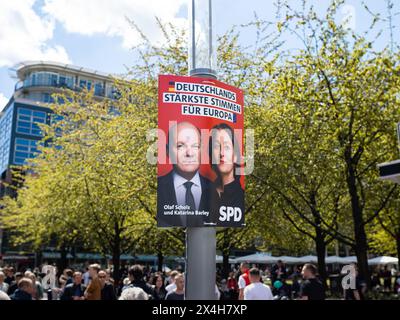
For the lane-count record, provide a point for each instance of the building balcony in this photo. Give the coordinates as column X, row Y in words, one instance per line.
column 24, row 85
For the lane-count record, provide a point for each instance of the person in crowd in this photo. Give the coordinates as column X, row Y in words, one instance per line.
column 136, row 277
column 125, row 284
column 150, row 279
column 24, row 291
column 397, row 284
column 256, row 290
column 375, row 281
column 86, row 277
column 179, row 292
column 281, row 290
column 278, row 271
column 107, row 289
column 159, row 287
column 311, row 288
column 223, row 288
column 244, row 279
column 171, row 286
column 134, row 293
column 74, row 290
column 4, row 296
column 93, row 290
column 109, row 278
column 62, row 281
column 295, row 288
column 387, row 279
column 217, row 289
column 232, row 286
column 37, row 291
column 3, row 285
column 14, row 285
column 10, row 275
column 68, row 274
column 358, row 292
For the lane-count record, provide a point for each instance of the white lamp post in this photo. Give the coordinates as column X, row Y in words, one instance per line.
column 202, row 42
column 200, row 270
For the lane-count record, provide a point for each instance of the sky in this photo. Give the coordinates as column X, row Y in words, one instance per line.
column 96, row 33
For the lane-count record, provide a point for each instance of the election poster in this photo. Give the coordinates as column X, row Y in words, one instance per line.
column 200, row 153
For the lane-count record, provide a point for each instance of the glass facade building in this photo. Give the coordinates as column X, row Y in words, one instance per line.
column 6, row 121
column 20, row 120
column 27, row 110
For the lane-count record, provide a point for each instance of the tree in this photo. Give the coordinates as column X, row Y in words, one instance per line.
column 330, row 110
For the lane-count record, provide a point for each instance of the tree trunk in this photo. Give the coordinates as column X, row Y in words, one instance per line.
column 225, row 255
column 160, row 260
column 362, row 259
column 321, row 250
column 360, row 236
column 116, row 259
column 116, row 254
column 73, row 252
column 38, row 257
column 320, row 244
column 225, row 264
column 63, row 259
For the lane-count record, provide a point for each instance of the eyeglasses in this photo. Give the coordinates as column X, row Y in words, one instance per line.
column 102, row 277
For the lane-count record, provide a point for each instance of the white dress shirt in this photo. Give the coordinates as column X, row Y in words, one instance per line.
column 180, row 189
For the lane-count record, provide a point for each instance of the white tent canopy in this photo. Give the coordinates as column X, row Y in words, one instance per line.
column 383, row 260
column 336, row 259
column 348, row 260
column 289, row 260
column 265, row 258
column 219, row 259
column 308, row 259
column 259, row 257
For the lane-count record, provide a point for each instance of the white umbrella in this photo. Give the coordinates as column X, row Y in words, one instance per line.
column 335, row 259
column 348, row 260
column 308, row 259
column 383, row 260
column 289, row 260
column 259, row 257
column 218, row 259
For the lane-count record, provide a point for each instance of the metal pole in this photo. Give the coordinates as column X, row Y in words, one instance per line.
column 201, row 242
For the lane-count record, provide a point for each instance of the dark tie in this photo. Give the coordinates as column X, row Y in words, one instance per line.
column 189, row 199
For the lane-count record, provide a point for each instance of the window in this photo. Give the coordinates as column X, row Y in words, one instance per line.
column 53, row 79
column 85, row 84
column 24, row 149
column 98, row 89
column 66, row 81
column 5, row 138
column 47, row 98
column 49, row 79
column 82, row 83
column 28, row 120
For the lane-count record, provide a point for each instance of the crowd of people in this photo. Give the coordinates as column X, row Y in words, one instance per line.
column 143, row 283
column 93, row 284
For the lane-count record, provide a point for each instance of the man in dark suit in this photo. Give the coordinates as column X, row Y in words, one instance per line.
column 183, row 190
column 75, row 290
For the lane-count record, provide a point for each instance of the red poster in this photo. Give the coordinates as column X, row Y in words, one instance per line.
column 200, row 152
